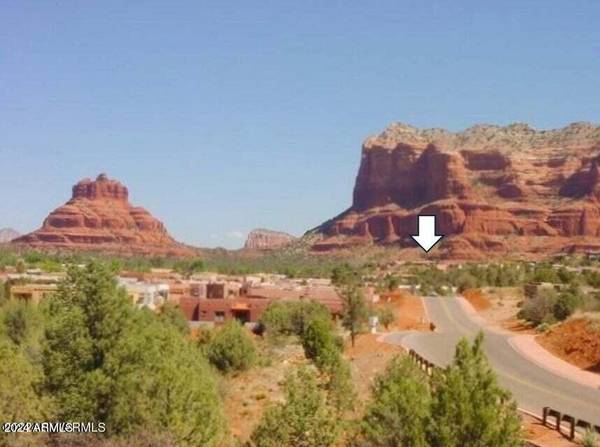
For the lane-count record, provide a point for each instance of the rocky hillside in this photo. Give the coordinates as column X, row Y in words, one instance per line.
column 8, row 234
column 495, row 190
column 262, row 239
column 99, row 217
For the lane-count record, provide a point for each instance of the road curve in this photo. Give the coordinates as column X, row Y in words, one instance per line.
column 532, row 386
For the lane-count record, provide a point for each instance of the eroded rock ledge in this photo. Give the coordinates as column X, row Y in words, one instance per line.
column 503, row 190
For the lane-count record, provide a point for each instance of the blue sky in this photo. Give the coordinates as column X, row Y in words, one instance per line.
column 225, row 116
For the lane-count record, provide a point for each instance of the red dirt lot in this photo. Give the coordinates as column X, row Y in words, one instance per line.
column 576, row 341
column 477, row 299
column 367, row 359
column 409, row 310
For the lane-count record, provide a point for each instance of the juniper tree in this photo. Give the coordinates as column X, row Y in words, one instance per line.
column 304, row 419
column 106, row 361
column 469, row 407
column 355, row 312
column 399, row 411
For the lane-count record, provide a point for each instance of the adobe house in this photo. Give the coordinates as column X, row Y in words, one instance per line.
column 219, row 310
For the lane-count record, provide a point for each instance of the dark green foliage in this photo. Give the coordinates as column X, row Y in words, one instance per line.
column 537, row 310
column 320, row 344
column 305, row 419
column 20, row 379
column 291, row 317
column 469, row 408
column 466, row 281
column 291, row 262
column 163, row 383
column 345, row 275
column 386, row 315
column 106, row 361
column 232, row 348
column 355, row 312
column 340, row 390
column 188, row 267
column 391, row 282
column 548, row 307
column 565, row 305
column 15, row 321
column 172, row 314
column 399, row 412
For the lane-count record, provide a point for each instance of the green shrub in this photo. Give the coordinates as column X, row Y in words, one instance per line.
column 536, row 310
column 232, row 348
column 590, row 439
column 304, row 419
column 400, row 409
column 291, row 317
column 386, row 315
column 319, row 343
column 565, row 305
column 469, row 408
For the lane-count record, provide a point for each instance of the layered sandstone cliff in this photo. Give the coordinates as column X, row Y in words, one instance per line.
column 503, row 190
column 99, row 217
column 262, row 239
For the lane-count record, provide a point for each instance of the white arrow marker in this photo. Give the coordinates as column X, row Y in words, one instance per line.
column 426, row 237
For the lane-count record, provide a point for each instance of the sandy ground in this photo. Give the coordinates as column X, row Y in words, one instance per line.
column 533, row 430
column 499, row 307
column 247, row 395
column 367, row 359
column 409, row 311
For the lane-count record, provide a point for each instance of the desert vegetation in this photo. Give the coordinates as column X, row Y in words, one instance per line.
column 88, row 354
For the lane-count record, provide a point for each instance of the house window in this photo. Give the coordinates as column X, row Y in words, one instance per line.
column 219, row 317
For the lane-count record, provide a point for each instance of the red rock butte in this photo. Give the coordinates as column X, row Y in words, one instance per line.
column 508, row 191
column 263, row 239
column 99, row 217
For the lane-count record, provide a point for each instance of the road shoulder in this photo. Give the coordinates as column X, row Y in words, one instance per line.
column 528, row 347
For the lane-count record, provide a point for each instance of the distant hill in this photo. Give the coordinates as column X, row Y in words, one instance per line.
column 8, row 234
column 263, row 239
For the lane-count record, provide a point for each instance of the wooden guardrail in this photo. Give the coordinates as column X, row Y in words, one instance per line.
column 571, row 422
column 424, row 364
column 560, row 419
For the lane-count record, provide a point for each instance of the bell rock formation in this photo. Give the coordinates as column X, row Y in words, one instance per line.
column 99, row 217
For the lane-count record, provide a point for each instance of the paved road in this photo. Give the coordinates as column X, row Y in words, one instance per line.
column 532, row 386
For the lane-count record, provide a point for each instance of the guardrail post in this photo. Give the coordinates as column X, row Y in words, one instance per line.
column 583, row 424
column 545, row 415
column 571, row 420
column 557, row 415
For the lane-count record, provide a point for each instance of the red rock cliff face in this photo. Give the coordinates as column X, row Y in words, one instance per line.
column 99, row 217
column 502, row 190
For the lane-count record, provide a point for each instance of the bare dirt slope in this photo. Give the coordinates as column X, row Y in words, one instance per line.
column 577, row 341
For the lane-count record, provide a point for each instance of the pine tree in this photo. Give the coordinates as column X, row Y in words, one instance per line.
column 304, row 419
column 355, row 311
column 469, row 408
column 106, row 361
column 399, row 411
